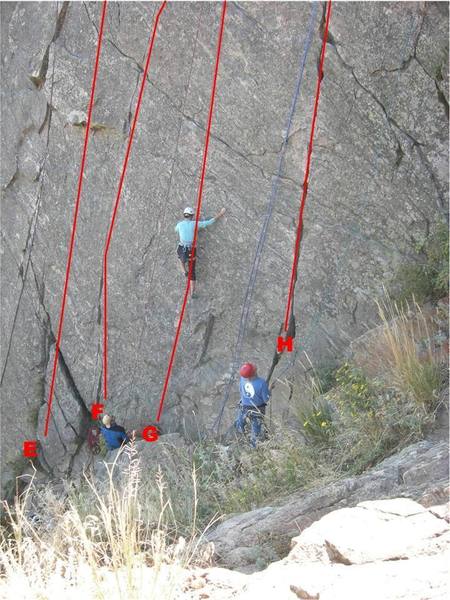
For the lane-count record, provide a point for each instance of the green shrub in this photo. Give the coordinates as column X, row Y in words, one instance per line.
column 372, row 419
column 317, row 421
column 413, row 281
column 324, row 378
column 437, row 250
column 367, row 437
column 427, row 278
column 353, row 393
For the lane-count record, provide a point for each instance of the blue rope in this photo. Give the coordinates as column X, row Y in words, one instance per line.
column 268, row 216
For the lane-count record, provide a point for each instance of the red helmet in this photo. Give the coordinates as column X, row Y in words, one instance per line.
column 247, row 370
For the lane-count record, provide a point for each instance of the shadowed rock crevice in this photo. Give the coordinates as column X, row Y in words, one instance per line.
column 50, row 341
column 39, row 78
column 415, row 143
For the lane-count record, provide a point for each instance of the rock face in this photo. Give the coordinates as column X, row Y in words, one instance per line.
column 250, row 540
column 378, row 182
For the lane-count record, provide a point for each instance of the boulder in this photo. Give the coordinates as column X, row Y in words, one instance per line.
column 246, row 541
column 384, row 549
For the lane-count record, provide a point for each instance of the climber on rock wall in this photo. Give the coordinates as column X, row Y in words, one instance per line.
column 114, row 434
column 185, row 230
column 255, row 394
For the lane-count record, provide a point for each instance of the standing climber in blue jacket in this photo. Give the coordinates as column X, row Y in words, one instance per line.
column 114, row 435
column 185, row 230
column 255, row 394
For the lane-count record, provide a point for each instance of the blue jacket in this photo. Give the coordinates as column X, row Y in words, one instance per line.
column 254, row 392
column 114, row 436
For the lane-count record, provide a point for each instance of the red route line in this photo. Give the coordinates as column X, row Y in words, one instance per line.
column 75, row 219
column 116, row 205
column 305, row 180
column 198, row 207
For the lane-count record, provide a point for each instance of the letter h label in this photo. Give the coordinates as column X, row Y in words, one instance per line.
column 287, row 344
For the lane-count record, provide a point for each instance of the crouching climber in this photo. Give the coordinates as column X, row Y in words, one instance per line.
column 185, row 230
column 255, row 394
column 113, row 434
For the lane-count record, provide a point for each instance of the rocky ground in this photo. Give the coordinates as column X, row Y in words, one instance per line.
column 386, row 549
column 378, row 550
column 247, row 541
column 381, row 535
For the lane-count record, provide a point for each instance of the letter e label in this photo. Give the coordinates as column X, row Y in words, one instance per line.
column 30, row 448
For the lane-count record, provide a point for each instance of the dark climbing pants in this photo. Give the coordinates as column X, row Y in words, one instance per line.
column 186, row 255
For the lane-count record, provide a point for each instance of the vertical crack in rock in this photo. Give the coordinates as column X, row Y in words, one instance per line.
column 353, row 312
column 23, row 273
column 442, row 99
column 72, row 386
column 60, row 20
column 98, row 386
column 440, row 195
column 127, row 122
column 13, row 179
column 40, row 77
column 392, row 124
column 399, row 155
column 62, row 362
column 206, row 338
column 141, row 268
column 291, row 331
column 46, row 120
column 435, row 79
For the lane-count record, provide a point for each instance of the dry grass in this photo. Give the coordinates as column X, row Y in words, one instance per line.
column 97, row 545
column 414, row 367
column 386, row 399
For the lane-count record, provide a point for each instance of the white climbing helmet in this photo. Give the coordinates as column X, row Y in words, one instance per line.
column 188, row 211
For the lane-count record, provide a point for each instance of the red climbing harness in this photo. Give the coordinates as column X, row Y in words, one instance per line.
column 93, row 439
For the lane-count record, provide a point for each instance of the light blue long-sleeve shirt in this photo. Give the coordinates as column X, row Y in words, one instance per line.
column 185, row 230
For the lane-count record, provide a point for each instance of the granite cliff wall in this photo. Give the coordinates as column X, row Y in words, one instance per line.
column 379, row 181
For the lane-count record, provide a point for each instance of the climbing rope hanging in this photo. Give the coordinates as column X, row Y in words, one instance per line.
column 117, row 201
column 289, row 319
column 161, row 216
column 270, row 206
column 75, row 218
column 198, row 208
column 289, row 303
